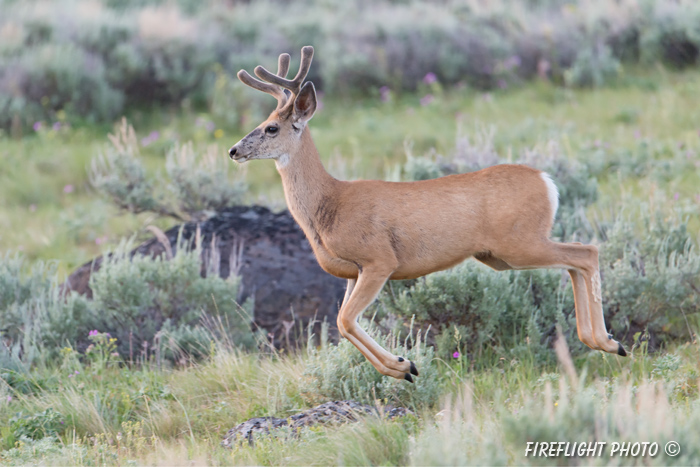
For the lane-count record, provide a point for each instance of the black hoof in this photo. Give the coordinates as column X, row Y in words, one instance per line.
column 408, row 378
column 414, row 370
column 400, row 359
column 621, row 350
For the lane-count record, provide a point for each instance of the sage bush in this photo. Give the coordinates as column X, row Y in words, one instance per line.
column 195, row 184
column 106, row 56
column 341, row 372
column 151, row 306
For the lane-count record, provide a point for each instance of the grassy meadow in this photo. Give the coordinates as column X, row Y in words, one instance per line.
column 94, row 409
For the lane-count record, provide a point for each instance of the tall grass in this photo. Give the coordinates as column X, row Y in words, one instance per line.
column 484, row 417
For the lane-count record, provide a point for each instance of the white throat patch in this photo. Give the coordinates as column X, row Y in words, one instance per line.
column 282, row 161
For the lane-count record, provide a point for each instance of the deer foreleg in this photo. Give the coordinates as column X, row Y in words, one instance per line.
column 361, row 295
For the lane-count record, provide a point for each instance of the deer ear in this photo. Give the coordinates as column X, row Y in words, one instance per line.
column 304, row 106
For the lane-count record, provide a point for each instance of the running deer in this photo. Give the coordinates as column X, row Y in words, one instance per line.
column 371, row 231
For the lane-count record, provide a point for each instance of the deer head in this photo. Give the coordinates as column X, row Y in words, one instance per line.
column 279, row 136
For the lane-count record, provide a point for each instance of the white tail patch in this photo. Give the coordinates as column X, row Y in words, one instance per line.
column 552, row 193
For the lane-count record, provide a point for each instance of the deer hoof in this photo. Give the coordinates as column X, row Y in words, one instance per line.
column 414, row 370
column 408, row 378
column 621, row 350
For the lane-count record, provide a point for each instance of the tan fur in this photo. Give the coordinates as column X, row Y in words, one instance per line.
column 372, row 231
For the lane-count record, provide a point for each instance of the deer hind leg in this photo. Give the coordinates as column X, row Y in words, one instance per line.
column 582, row 263
column 358, row 297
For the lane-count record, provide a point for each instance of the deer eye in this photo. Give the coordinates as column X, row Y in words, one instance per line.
column 271, row 130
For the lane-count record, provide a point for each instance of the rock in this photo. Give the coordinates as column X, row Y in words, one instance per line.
column 335, row 412
column 270, row 253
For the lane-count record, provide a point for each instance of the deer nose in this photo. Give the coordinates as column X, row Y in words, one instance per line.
column 232, row 152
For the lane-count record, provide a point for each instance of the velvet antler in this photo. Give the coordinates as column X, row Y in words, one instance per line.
column 276, row 83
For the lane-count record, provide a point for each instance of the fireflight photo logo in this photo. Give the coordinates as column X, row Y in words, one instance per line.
column 599, row 448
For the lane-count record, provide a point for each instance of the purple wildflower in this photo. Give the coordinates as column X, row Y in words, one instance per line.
column 94, row 332
column 9, row 398
column 513, row 61
column 77, row 372
column 676, row 196
column 151, row 138
column 210, row 126
column 56, row 126
column 430, row 78
column 37, row 126
column 68, row 189
column 427, row 100
column 384, row 93
column 456, row 354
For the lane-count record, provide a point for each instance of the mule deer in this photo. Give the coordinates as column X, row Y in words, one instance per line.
column 371, row 231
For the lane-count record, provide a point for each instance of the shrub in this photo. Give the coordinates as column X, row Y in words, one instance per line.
column 478, row 312
column 34, row 313
column 109, row 54
column 670, row 33
column 47, row 423
column 586, row 415
column 49, row 78
column 650, row 270
column 196, row 185
column 201, row 183
column 119, row 174
column 342, row 372
column 135, row 298
column 138, row 300
column 594, row 66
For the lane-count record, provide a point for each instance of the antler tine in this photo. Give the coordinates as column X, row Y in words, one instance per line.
column 294, row 85
column 245, row 77
column 283, row 65
column 274, row 90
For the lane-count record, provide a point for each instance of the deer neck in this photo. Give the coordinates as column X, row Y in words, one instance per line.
column 307, row 185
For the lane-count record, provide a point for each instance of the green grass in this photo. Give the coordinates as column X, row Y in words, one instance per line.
column 183, row 413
